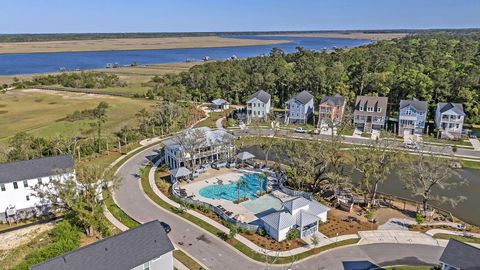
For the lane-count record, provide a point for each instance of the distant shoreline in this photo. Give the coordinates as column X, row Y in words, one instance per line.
column 354, row 35
column 129, row 44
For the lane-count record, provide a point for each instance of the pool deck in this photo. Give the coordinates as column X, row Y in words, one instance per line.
column 227, row 176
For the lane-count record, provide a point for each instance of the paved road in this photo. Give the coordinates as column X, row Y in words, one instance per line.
column 429, row 148
column 216, row 254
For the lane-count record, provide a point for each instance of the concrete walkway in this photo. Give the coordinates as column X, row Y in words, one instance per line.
column 475, row 143
column 219, row 121
column 396, row 236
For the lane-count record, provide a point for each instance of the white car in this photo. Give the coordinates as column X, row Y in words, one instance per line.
column 300, row 130
column 411, row 145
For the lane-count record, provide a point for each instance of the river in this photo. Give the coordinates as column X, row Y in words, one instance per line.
column 32, row 63
column 468, row 210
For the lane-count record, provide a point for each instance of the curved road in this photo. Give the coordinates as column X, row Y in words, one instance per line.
column 216, row 254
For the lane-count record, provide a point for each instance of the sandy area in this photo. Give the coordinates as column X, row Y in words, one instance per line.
column 22, row 236
column 129, row 44
column 371, row 36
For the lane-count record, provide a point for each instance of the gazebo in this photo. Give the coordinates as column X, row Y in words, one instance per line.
column 179, row 173
column 244, row 156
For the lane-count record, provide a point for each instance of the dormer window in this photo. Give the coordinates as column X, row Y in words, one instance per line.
column 361, row 109
column 369, row 109
column 379, row 109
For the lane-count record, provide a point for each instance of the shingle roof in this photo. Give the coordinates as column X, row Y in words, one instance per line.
column 35, row 168
column 461, row 255
column 220, row 101
column 417, row 104
column 303, row 97
column 456, row 107
column 335, row 100
column 260, row 95
column 279, row 220
column 371, row 101
column 123, row 251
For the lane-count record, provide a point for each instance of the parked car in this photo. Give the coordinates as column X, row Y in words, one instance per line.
column 411, row 145
column 166, row 227
column 300, row 130
column 472, row 136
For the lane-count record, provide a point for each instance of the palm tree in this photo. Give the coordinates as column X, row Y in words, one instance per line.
column 239, row 184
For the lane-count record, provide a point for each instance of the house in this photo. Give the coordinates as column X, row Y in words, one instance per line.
column 412, row 117
column 370, row 113
column 212, row 145
column 258, row 106
column 298, row 213
column 331, row 110
column 460, row 256
column 18, row 178
column 449, row 119
column 299, row 109
column 219, row 105
column 144, row 247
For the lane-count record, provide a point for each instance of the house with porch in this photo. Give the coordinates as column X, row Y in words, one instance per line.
column 370, row 113
column 219, row 104
column 412, row 117
column 299, row 109
column 449, row 119
column 297, row 213
column 18, row 178
column 144, row 247
column 210, row 146
column 331, row 110
column 460, row 256
column 258, row 106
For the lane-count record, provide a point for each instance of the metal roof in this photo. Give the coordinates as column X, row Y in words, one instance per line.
column 213, row 137
column 220, row 101
column 245, row 155
column 123, row 251
column 35, row 168
column 303, row 97
column 279, row 220
column 417, row 104
column 180, row 172
column 456, row 107
column 335, row 100
column 461, row 255
column 260, row 95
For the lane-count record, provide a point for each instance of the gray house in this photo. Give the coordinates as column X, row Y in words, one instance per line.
column 370, row 113
column 460, row 256
column 412, row 117
column 449, row 119
column 144, row 247
column 258, row 106
column 299, row 109
column 219, row 104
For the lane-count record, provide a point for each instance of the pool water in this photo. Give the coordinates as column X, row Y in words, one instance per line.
column 231, row 192
column 264, row 205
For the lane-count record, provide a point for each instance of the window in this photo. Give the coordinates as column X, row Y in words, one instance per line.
column 369, row 109
column 146, row 266
column 361, row 109
column 28, row 198
column 2, row 187
column 379, row 109
column 15, row 185
column 25, row 183
column 39, row 181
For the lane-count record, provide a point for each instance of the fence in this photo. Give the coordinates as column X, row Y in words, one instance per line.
column 216, row 210
column 292, row 192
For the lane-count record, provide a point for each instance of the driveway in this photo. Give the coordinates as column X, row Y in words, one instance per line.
column 216, row 254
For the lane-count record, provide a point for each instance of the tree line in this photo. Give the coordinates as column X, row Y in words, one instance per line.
column 84, row 79
column 435, row 67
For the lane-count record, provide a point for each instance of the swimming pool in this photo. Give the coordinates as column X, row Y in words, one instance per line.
column 231, row 192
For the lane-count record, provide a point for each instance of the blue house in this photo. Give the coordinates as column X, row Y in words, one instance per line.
column 412, row 117
column 299, row 109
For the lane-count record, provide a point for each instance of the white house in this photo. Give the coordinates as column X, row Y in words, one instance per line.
column 460, row 256
column 412, row 117
column 216, row 145
column 299, row 109
column 146, row 247
column 18, row 178
column 449, row 119
column 219, row 104
column 258, row 106
column 298, row 213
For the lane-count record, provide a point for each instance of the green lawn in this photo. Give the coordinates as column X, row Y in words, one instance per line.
column 41, row 113
column 457, row 237
column 186, row 260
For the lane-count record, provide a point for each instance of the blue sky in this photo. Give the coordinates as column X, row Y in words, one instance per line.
column 65, row 16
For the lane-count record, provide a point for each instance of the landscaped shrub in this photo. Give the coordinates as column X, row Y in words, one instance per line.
column 261, row 231
column 419, row 218
column 293, row 234
column 66, row 238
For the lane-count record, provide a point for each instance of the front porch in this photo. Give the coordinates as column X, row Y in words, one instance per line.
column 309, row 230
